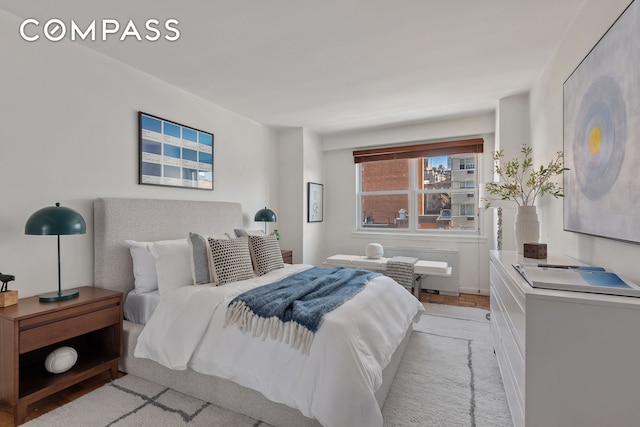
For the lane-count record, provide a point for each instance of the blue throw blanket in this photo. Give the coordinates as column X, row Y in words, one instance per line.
column 292, row 309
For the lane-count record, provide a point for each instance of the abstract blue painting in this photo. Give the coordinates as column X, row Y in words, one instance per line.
column 602, row 135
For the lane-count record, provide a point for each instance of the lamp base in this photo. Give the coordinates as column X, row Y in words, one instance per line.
column 59, row 296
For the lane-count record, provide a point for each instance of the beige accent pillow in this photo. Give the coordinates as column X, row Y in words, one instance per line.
column 229, row 260
column 265, row 254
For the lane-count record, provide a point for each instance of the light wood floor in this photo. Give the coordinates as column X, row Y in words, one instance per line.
column 55, row 401
column 464, row 300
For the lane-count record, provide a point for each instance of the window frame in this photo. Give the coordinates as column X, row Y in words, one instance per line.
column 413, row 192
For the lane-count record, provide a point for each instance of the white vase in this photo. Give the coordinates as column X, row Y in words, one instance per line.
column 527, row 227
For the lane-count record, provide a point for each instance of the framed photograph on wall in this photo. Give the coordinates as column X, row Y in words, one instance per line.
column 601, row 128
column 174, row 155
column 315, row 197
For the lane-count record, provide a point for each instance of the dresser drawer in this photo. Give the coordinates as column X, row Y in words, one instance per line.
column 50, row 333
column 512, row 301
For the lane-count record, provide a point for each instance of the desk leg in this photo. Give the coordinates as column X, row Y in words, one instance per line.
column 417, row 287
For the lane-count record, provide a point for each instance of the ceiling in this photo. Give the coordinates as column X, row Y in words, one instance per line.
column 333, row 65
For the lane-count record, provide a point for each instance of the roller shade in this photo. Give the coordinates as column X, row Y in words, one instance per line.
column 434, row 149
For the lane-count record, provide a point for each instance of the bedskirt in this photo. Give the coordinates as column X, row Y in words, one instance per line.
column 228, row 394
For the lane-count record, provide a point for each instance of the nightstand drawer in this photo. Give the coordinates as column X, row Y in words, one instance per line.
column 40, row 336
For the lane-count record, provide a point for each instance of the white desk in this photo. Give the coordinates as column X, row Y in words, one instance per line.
column 422, row 268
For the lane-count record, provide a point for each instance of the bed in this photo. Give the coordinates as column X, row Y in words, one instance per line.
column 117, row 220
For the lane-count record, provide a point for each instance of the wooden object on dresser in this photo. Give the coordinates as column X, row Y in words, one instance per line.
column 566, row 358
column 535, row 250
column 287, row 256
column 8, row 298
column 30, row 330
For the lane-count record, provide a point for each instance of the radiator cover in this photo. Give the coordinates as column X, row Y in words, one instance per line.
column 443, row 285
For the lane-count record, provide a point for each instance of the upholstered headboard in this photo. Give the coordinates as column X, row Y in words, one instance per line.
column 117, row 220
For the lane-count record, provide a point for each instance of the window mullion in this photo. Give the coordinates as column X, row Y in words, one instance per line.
column 413, row 204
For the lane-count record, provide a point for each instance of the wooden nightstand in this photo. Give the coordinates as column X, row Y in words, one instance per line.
column 30, row 330
column 287, row 256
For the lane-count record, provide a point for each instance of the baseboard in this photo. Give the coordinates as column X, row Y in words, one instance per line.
column 474, row 291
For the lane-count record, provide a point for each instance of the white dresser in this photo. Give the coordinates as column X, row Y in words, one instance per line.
column 566, row 358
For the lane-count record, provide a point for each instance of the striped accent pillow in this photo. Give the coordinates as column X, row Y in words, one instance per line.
column 265, row 254
column 229, row 260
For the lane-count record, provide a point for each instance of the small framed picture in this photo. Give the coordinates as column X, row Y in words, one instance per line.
column 315, row 197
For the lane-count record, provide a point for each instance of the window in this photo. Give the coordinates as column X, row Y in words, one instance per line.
column 427, row 193
column 468, row 210
column 385, row 193
column 467, row 163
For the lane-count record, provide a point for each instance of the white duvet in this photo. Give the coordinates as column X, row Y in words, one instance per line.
column 335, row 383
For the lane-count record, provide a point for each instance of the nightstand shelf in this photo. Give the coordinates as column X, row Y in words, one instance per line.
column 34, row 377
column 30, row 330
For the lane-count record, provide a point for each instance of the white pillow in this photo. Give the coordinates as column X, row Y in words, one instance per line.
column 144, row 267
column 173, row 264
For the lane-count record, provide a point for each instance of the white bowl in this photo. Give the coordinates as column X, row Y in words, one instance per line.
column 374, row 251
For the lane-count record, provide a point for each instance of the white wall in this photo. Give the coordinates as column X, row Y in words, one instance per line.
column 340, row 196
column 425, row 131
column 291, row 177
column 299, row 162
column 512, row 131
column 547, row 137
column 68, row 134
column 313, row 172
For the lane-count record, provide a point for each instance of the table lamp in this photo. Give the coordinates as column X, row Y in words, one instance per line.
column 265, row 215
column 56, row 221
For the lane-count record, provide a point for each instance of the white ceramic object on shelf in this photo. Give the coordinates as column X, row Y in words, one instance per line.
column 61, row 360
column 374, row 251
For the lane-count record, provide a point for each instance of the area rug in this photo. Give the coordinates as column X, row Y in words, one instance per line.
column 448, row 377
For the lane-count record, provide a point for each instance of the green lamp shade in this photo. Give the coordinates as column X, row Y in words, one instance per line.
column 265, row 215
column 55, row 220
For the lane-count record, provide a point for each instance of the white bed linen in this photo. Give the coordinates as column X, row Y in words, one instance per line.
column 335, row 383
column 138, row 308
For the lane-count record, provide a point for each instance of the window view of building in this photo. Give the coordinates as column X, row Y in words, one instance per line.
column 428, row 193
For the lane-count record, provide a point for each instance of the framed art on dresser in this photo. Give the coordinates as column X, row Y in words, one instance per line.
column 174, row 155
